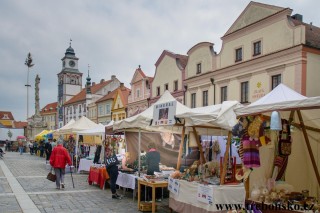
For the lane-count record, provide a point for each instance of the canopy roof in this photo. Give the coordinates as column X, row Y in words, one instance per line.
column 142, row 120
column 281, row 98
column 221, row 115
column 98, row 130
column 82, row 124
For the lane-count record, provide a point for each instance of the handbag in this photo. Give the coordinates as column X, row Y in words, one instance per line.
column 52, row 177
column 285, row 142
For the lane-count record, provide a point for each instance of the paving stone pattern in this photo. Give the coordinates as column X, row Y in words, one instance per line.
column 31, row 172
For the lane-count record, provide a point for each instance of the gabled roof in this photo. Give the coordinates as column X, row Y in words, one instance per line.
column 20, row 124
column 253, row 13
column 137, row 73
column 123, row 92
column 180, row 59
column 6, row 115
column 109, row 96
column 49, row 108
column 81, row 96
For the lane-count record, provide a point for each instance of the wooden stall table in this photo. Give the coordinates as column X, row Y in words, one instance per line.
column 153, row 185
column 98, row 175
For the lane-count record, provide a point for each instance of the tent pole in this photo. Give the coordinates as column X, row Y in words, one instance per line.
column 139, row 152
column 181, row 147
column 76, row 152
column 225, row 160
column 309, row 147
column 203, row 160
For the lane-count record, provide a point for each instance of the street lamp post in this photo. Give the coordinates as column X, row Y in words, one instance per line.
column 29, row 64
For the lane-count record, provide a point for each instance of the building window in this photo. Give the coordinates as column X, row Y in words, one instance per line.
column 166, row 87
column 238, row 54
column 199, row 68
column 158, row 91
column 79, row 108
column 205, row 98
column 245, row 92
column 138, row 93
column 257, row 48
column 276, row 80
column 223, row 94
column 193, row 100
column 100, row 112
column 175, row 83
column 108, row 110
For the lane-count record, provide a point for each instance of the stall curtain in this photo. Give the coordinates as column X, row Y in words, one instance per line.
column 169, row 155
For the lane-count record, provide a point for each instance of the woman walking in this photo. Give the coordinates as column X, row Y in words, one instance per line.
column 58, row 160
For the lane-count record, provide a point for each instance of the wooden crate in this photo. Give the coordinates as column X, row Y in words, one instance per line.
column 146, row 207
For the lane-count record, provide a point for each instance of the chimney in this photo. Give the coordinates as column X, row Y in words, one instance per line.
column 298, row 17
column 121, row 85
column 113, row 77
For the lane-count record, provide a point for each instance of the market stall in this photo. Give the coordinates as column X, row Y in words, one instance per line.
column 216, row 120
column 288, row 168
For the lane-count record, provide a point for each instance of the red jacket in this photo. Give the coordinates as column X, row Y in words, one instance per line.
column 60, row 157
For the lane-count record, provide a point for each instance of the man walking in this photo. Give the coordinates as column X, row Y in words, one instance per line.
column 20, row 144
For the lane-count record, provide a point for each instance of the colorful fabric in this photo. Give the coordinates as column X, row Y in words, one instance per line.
column 251, row 157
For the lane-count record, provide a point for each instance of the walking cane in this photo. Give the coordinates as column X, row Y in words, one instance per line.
column 71, row 176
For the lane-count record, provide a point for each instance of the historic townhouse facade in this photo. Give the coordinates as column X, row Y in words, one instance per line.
column 140, row 92
column 104, row 106
column 200, row 88
column 76, row 107
column 265, row 46
column 119, row 106
column 173, row 65
column 49, row 115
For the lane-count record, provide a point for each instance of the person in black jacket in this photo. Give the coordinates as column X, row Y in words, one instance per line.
column 48, row 149
column 112, row 169
column 152, row 159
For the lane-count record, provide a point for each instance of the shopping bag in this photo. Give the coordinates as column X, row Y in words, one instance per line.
column 52, row 177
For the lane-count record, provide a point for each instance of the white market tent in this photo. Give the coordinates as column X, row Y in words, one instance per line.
column 301, row 172
column 217, row 116
column 99, row 130
column 281, row 98
column 82, row 124
column 67, row 125
column 142, row 121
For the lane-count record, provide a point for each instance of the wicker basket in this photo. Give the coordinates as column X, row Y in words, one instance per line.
column 146, row 207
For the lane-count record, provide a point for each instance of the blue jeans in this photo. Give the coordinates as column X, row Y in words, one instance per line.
column 21, row 150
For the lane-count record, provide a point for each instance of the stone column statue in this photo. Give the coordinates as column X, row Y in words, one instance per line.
column 37, row 106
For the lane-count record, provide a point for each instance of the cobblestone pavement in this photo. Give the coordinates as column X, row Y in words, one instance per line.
column 31, row 172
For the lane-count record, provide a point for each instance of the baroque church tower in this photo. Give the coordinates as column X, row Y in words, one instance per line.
column 69, row 81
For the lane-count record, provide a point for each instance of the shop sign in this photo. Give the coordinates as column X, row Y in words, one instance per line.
column 205, row 194
column 173, row 185
column 258, row 92
column 163, row 114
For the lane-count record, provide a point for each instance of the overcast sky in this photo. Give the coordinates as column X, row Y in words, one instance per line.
column 113, row 36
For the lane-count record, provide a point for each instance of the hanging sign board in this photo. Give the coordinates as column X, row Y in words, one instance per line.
column 163, row 114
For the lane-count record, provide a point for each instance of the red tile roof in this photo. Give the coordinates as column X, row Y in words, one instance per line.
column 6, row 115
column 312, row 33
column 81, row 96
column 49, row 108
column 110, row 95
column 124, row 93
column 20, row 124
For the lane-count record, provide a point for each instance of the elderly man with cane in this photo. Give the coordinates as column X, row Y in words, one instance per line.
column 58, row 160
